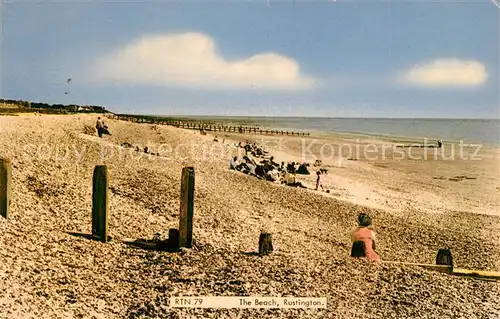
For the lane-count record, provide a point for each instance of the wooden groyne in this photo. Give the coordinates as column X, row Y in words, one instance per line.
column 207, row 126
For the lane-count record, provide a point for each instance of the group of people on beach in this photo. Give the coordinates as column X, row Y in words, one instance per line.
column 362, row 237
column 267, row 169
column 270, row 170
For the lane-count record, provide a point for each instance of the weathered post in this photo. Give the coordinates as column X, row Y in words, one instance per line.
column 187, row 207
column 265, row 243
column 5, row 186
column 444, row 257
column 100, row 203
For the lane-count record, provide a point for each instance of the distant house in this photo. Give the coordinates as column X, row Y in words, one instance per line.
column 85, row 108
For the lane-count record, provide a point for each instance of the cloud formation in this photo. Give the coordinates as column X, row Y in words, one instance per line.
column 192, row 60
column 445, row 73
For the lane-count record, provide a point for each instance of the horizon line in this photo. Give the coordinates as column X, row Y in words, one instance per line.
column 313, row 117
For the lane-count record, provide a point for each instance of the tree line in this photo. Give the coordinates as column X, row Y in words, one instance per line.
column 71, row 108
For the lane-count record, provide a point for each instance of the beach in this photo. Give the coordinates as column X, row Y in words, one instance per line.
column 386, row 173
column 420, row 199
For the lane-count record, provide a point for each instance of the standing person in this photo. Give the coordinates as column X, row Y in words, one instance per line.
column 364, row 236
column 99, row 126
column 317, row 179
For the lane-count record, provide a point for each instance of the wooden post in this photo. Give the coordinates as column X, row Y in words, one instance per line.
column 444, row 257
column 187, row 207
column 5, row 186
column 100, row 203
column 265, row 244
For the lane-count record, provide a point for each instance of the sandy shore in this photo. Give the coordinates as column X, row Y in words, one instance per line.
column 380, row 173
column 416, row 209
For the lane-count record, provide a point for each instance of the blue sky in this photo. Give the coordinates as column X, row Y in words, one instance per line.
column 337, row 59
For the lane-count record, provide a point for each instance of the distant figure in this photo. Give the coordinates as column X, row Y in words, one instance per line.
column 364, row 237
column 273, row 175
column 99, row 126
column 440, row 144
column 282, row 167
column 273, row 163
column 234, row 163
column 302, row 170
column 317, row 179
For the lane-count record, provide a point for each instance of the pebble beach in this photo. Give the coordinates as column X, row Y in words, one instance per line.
column 417, row 207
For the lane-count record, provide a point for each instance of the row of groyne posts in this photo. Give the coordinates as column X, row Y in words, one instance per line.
column 177, row 238
column 183, row 237
column 203, row 126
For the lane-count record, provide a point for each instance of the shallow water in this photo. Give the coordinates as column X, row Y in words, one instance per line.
column 469, row 130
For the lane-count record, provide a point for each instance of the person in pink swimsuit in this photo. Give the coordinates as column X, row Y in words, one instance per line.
column 364, row 235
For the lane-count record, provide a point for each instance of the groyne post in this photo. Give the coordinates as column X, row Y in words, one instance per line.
column 187, row 208
column 444, row 257
column 100, row 203
column 5, row 186
column 265, row 243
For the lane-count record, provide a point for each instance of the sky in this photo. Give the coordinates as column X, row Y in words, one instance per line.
column 256, row 58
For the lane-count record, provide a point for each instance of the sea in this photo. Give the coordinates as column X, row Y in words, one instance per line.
column 486, row 131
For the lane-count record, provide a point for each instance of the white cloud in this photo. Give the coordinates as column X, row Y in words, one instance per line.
column 192, row 60
column 446, row 73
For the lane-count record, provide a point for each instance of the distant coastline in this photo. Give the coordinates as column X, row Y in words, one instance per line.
column 9, row 107
column 484, row 131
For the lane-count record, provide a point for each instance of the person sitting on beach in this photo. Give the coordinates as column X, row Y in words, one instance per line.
column 272, row 175
column 364, row 237
column 273, row 163
column 303, row 170
column 260, row 171
column 242, row 167
column 290, row 180
column 250, row 169
column 282, row 167
column 234, row 163
column 267, row 165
